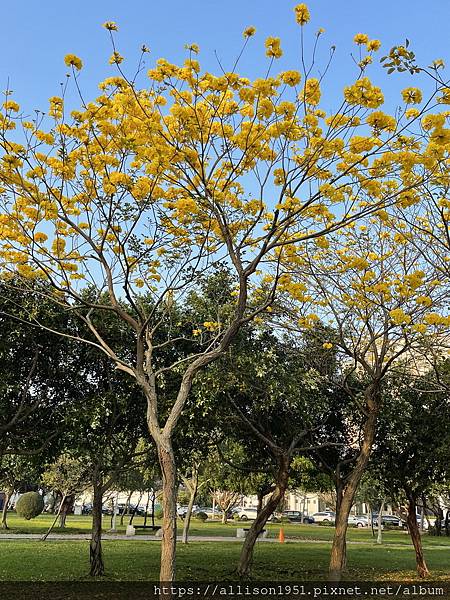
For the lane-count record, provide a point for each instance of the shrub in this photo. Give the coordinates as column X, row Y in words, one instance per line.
column 201, row 516
column 159, row 513
column 30, row 505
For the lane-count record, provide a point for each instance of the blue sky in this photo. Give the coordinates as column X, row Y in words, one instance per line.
column 37, row 35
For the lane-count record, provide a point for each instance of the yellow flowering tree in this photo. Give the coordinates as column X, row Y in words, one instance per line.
column 146, row 187
column 373, row 289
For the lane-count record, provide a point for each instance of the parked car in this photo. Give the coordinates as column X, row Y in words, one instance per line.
column 425, row 522
column 388, row 521
column 207, row 510
column 295, row 516
column 182, row 511
column 325, row 516
column 247, row 513
column 86, row 509
column 358, row 520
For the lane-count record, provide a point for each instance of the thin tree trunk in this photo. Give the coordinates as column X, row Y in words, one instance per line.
column 193, row 494
column 8, row 495
column 380, row 523
column 95, row 551
column 133, row 513
column 370, row 517
column 245, row 560
column 58, row 515
column 169, row 505
column 416, row 539
column 146, row 508
column 65, row 506
column 338, row 549
column 153, row 507
column 126, row 507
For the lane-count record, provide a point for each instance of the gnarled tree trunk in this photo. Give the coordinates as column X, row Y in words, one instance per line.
column 339, row 547
column 258, row 524
column 95, row 550
column 169, row 505
column 416, row 538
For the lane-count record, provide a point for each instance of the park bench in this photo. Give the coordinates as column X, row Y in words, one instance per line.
column 151, row 527
column 242, row 532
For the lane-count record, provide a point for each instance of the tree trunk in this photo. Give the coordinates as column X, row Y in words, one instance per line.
column 153, row 507
column 8, row 495
column 339, row 487
column 146, row 508
column 370, row 517
column 245, row 560
column 95, row 552
column 338, row 549
column 126, row 507
column 416, row 539
column 133, row 512
column 187, row 520
column 65, row 507
column 224, row 516
column 260, row 496
column 169, row 505
column 380, row 523
column 58, row 515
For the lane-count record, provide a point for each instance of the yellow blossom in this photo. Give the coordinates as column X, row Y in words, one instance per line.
column 249, row 32
column 211, row 325
column 412, row 95
column 115, row 58
column 424, row 300
column 419, row 328
column 412, row 113
column 193, row 48
column 311, row 92
column 373, row 45
column 71, row 60
column 290, row 77
column 110, row 26
column 361, row 38
column 302, row 15
column 11, row 105
column 327, row 345
column 273, row 47
column 399, row 317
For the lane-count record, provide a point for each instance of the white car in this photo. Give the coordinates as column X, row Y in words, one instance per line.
column 325, row 516
column 247, row 514
column 358, row 520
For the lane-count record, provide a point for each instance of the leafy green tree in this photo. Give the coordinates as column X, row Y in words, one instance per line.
column 412, row 453
column 66, row 477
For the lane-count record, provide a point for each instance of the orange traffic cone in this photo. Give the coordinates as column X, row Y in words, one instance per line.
column 281, row 536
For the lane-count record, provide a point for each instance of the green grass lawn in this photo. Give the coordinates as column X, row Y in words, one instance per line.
column 134, row 560
column 139, row 560
column 82, row 524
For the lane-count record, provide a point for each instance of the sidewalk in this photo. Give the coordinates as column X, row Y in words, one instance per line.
column 54, row 537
